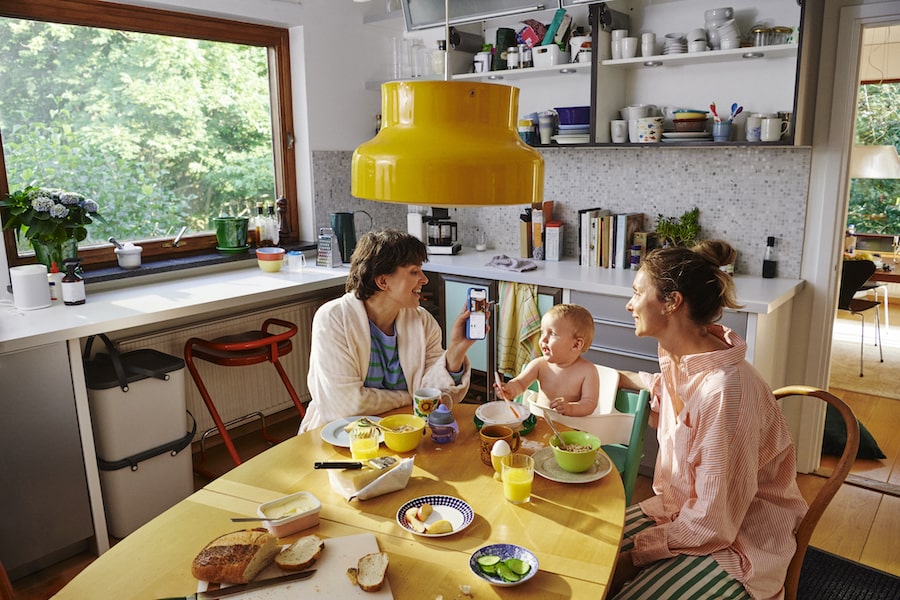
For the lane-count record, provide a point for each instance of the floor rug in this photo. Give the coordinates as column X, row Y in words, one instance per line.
column 880, row 379
column 829, row 577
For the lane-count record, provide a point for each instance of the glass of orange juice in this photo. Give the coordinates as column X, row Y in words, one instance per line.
column 518, row 473
column 364, row 443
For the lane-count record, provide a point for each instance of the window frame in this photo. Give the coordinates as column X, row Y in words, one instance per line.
column 95, row 13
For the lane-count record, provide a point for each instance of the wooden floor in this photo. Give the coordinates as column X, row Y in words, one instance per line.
column 861, row 524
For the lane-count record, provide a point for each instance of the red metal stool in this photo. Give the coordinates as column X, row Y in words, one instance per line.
column 237, row 350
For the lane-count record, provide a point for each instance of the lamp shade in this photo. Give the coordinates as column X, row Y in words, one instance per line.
column 448, row 143
column 874, row 162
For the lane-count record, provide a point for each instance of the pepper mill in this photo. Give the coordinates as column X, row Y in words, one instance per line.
column 444, row 428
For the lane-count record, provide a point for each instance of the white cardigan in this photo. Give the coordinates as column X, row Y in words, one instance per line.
column 339, row 362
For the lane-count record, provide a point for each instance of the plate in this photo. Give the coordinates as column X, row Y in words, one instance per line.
column 575, row 128
column 334, row 433
column 545, row 466
column 452, row 509
column 686, row 135
column 571, row 139
column 233, row 250
column 504, row 551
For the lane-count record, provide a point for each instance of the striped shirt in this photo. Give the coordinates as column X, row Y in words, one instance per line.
column 725, row 478
column 385, row 372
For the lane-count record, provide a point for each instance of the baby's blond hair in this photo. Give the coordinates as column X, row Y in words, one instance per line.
column 579, row 318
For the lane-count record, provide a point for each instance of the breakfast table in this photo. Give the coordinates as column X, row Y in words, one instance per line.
column 574, row 528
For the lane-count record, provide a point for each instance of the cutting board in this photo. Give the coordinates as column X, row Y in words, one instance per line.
column 330, row 578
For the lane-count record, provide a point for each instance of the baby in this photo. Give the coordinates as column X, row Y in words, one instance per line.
column 568, row 379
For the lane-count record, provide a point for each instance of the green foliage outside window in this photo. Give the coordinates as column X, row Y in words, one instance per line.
column 161, row 131
column 875, row 203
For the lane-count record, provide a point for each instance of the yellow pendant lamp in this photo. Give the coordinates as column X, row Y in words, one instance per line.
column 448, row 143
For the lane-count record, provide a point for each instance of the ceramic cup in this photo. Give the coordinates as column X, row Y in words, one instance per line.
column 629, row 47
column 517, row 474
column 618, row 129
column 545, row 128
column 636, row 111
column 721, row 131
column 753, row 127
column 491, row 434
column 649, row 129
column 772, row 129
column 231, row 232
column 426, row 400
column 616, row 49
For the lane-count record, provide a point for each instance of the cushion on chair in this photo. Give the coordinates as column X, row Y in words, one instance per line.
column 836, row 437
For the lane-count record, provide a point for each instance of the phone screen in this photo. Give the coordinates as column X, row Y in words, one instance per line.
column 477, row 325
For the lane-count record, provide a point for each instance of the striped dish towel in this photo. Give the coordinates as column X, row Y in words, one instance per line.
column 520, row 327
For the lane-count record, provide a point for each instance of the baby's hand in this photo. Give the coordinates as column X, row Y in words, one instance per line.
column 559, row 405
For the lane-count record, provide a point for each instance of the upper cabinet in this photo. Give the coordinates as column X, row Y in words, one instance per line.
column 423, row 14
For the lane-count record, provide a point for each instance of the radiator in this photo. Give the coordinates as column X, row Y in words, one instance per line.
column 238, row 391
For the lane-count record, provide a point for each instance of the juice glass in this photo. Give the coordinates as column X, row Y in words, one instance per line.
column 364, row 443
column 518, row 473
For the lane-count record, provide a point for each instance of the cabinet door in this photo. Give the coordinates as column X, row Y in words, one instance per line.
column 421, row 14
column 482, row 354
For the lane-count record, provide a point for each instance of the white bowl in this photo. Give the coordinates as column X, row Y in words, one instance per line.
column 129, row 256
column 501, row 413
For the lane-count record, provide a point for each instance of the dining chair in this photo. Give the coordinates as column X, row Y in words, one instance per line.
column 627, row 450
column 854, row 274
column 237, row 350
column 876, row 287
column 832, row 484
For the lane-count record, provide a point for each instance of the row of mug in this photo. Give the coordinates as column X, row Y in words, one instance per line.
column 759, row 127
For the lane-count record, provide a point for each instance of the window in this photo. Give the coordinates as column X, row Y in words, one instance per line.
column 165, row 119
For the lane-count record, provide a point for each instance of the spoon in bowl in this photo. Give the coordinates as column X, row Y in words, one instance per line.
column 562, row 444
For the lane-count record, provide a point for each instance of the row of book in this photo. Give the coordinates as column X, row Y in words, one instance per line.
column 605, row 238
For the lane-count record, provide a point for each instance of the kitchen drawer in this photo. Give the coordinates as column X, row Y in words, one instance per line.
column 620, row 336
column 736, row 321
column 622, row 360
column 608, row 308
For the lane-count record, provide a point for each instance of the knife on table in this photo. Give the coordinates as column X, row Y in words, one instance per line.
column 239, row 589
column 338, row 465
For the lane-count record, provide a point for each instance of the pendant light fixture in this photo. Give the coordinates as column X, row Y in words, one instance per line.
column 448, row 143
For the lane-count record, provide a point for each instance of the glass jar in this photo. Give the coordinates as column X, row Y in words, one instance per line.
column 780, row 35
column 512, row 57
column 760, row 35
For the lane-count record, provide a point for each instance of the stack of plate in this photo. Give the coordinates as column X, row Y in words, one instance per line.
column 572, row 138
column 686, row 136
column 675, row 44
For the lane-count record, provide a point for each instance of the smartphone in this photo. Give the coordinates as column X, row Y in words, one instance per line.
column 476, row 328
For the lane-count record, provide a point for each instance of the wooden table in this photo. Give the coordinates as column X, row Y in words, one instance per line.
column 574, row 529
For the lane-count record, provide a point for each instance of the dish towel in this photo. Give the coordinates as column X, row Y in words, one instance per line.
column 507, row 263
column 518, row 340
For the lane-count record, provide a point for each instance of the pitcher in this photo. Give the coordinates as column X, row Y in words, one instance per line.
column 344, row 227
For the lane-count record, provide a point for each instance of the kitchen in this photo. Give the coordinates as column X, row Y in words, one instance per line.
column 772, row 184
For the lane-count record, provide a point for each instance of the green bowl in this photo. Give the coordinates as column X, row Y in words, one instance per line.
column 575, row 462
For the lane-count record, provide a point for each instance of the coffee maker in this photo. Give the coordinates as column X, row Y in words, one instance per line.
column 442, row 233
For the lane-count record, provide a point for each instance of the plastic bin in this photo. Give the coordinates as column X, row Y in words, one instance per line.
column 141, row 431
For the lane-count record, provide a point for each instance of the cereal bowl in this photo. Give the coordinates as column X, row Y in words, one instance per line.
column 580, row 460
column 404, row 441
column 501, row 413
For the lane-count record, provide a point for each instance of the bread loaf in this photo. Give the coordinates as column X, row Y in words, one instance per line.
column 371, row 570
column 301, row 554
column 235, row 557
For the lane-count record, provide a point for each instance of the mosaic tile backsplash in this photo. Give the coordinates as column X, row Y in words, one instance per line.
column 744, row 194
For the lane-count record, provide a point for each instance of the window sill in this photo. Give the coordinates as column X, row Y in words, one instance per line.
column 116, row 277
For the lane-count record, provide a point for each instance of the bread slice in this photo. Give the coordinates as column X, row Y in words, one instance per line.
column 235, row 557
column 371, row 570
column 300, row 555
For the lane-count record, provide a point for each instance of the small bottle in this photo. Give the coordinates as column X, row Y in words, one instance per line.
column 635, row 257
column 512, row 57
column 72, row 284
column 258, row 223
column 444, row 428
column 54, row 277
column 770, row 260
column 272, row 225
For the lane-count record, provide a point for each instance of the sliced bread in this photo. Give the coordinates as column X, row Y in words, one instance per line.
column 300, row 555
column 371, row 570
column 235, row 557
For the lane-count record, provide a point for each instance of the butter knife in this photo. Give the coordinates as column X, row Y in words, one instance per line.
column 239, row 589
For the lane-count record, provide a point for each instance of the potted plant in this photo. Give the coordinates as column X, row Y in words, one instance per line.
column 53, row 220
column 679, row 231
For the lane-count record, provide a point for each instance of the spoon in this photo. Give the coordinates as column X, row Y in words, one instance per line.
column 498, row 380
column 380, row 426
column 562, row 444
column 251, row 519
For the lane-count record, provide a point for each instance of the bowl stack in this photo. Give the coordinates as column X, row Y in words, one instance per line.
column 720, row 26
column 574, row 125
column 690, row 120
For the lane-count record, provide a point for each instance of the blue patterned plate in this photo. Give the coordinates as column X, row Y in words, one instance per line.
column 504, row 551
column 452, row 509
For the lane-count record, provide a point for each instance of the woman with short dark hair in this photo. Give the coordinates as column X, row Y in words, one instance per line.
column 374, row 346
column 721, row 523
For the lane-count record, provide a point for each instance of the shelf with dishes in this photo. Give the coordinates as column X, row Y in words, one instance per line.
column 529, row 72
column 708, row 57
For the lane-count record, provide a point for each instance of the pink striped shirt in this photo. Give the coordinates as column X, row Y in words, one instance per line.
column 725, row 477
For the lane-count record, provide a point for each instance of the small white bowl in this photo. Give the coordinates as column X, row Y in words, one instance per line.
column 498, row 413
column 300, row 511
column 129, row 256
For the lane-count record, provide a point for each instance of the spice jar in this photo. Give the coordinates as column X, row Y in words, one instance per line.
column 512, row 57
column 780, row 35
column 760, row 35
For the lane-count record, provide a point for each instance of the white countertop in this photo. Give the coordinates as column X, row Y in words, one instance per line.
column 144, row 303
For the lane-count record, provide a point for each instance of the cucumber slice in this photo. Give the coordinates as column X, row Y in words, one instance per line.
column 506, row 573
column 517, row 566
column 487, row 560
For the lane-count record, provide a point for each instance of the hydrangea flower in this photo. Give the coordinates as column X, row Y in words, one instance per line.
column 49, row 215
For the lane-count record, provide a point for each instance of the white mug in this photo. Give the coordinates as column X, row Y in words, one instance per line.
column 619, row 130
column 772, row 129
column 629, row 47
column 649, row 129
column 753, row 128
column 426, row 400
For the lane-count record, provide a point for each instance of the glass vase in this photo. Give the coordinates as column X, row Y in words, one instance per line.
column 48, row 252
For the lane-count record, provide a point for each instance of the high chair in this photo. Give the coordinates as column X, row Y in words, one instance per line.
column 237, row 350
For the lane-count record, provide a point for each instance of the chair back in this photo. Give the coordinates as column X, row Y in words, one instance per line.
column 832, row 485
column 854, row 274
column 628, row 455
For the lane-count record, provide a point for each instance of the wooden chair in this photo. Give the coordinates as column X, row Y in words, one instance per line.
column 627, row 450
column 832, row 485
column 242, row 349
column 6, row 588
column 854, row 275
